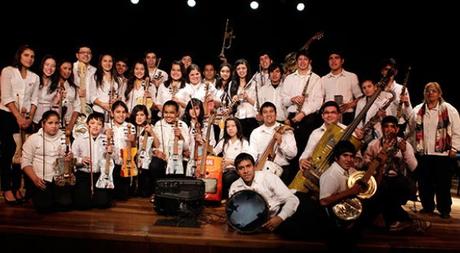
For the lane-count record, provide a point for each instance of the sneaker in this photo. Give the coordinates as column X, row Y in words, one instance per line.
column 421, row 225
column 399, row 226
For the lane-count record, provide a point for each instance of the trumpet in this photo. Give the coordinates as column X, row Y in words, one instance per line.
column 227, row 42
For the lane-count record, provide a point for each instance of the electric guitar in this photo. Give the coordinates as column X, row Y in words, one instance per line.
column 144, row 156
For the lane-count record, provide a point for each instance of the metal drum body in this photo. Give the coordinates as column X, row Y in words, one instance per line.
column 246, row 211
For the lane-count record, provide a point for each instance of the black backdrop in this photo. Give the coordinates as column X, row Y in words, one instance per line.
column 414, row 32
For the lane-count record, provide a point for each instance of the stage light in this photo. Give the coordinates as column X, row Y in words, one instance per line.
column 254, row 5
column 300, row 6
column 134, row 1
column 191, row 3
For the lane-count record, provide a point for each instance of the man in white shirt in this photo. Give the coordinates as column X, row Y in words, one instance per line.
column 281, row 201
column 271, row 92
column 284, row 147
column 341, row 86
column 84, row 73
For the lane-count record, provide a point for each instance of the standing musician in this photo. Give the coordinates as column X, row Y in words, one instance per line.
column 17, row 83
column 40, row 152
column 67, row 100
column 242, row 92
column 394, row 188
column 223, row 103
column 271, row 92
column 262, row 77
column 341, row 86
column 90, row 150
column 168, row 89
column 157, row 76
column 303, row 96
column 137, row 91
column 209, row 74
column 84, row 75
column 285, row 144
column 105, row 84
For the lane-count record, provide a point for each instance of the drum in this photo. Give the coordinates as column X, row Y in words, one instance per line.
column 246, row 211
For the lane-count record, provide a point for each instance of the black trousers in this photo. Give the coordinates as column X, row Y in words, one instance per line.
column 228, row 178
column 10, row 175
column 435, row 180
column 123, row 185
column 82, row 196
column 248, row 125
column 52, row 198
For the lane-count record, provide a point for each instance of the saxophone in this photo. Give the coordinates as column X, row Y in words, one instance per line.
column 322, row 156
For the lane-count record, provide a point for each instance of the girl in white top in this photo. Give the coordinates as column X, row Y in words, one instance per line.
column 18, row 84
column 67, row 101
column 242, row 91
column 40, row 152
column 46, row 91
column 198, row 130
column 105, row 84
column 229, row 147
column 175, row 82
column 195, row 88
column 136, row 90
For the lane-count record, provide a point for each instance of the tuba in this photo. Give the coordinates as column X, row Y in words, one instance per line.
column 322, row 156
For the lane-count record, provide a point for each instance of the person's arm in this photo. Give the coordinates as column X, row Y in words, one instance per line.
column 336, row 197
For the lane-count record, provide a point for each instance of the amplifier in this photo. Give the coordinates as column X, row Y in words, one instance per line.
column 179, row 196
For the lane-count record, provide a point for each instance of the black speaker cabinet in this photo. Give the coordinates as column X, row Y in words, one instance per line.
column 179, row 196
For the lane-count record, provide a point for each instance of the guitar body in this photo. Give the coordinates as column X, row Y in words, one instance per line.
column 105, row 180
column 145, row 155
column 212, row 178
column 128, row 168
column 175, row 165
column 273, row 168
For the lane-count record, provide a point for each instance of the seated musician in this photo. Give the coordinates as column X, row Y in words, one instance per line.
column 39, row 155
column 330, row 112
column 394, row 188
column 281, row 201
column 167, row 129
column 87, row 193
column 285, row 147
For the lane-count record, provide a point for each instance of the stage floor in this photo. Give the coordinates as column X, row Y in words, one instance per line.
column 130, row 227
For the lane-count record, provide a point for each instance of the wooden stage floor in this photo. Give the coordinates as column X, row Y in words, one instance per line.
column 129, row 227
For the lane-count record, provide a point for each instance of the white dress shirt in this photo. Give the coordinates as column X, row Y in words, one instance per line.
column 393, row 108
column 268, row 93
column 313, row 140
column 345, row 84
column 273, row 190
column 333, row 180
column 80, row 149
column 261, row 137
column 165, row 133
column 294, row 85
column 89, row 79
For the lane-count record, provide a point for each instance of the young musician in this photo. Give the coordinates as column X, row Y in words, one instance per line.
column 40, row 152
column 198, row 127
column 232, row 144
column 285, row 146
column 90, row 151
column 124, row 138
column 282, row 203
column 175, row 82
column 157, row 76
column 136, row 90
column 46, row 89
column 146, row 140
column 209, row 74
column 172, row 133
column 223, row 97
column 341, row 86
column 272, row 91
column 105, row 84
column 18, row 84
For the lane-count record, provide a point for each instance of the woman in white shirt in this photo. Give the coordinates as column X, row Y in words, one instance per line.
column 136, row 90
column 17, row 109
column 46, row 91
column 105, row 84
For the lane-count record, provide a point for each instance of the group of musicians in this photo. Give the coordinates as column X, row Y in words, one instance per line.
column 97, row 133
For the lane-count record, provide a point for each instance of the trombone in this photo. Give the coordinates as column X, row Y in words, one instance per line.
column 227, row 42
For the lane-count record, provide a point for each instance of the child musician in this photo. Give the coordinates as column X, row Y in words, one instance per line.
column 39, row 155
column 171, row 132
column 123, row 136
column 194, row 117
column 147, row 140
column 94, row 168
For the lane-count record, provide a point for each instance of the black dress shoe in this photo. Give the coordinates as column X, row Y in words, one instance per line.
column 444, row 215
